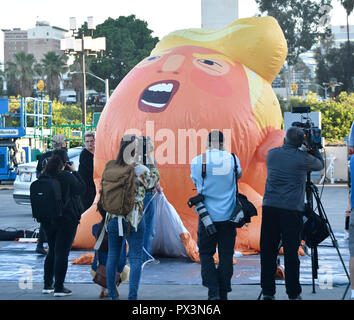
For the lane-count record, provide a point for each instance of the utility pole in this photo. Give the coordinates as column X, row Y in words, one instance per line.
column 83, row 69
column 85, row 46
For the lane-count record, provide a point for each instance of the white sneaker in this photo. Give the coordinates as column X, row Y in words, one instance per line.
column 48, row 290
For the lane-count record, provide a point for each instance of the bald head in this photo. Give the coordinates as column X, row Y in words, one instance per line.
column 295, row 136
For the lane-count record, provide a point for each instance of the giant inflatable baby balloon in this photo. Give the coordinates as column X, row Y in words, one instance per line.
column 194, row 81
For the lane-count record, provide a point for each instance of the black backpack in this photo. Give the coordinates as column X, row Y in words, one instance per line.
column 46, row 199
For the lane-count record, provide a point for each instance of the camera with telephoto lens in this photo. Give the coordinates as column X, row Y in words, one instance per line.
column 313, row 135
column 200, row 209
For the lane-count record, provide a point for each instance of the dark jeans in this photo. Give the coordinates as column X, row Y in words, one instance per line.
column 60, row 237
column 285, row 225
column 41, row 237
column 217, row 279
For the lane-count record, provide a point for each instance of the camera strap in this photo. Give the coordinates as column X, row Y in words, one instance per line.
column 236, row 171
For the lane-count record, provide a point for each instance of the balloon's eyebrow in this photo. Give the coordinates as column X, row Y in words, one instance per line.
column 214, row 56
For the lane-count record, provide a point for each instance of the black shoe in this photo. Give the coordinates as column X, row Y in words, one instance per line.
column 213, row 298
column 62, row 293
column 41, row 250
column 268, row 297
column 48, row 289
column 298, row 297
column 222, row 295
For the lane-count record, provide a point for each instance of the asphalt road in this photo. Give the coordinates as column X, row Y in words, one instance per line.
column 13, row 215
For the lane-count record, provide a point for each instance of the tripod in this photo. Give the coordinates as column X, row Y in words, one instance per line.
column 312, row 192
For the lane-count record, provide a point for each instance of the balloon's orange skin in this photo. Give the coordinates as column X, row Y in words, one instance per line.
column 204, row 97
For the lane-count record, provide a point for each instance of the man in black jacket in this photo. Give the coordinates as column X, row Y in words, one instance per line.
column 283, row 208
column 58, row 142
column 86, row 169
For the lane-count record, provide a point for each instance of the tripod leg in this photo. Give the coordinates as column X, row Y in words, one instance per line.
column 322, row 213
column 314, row 261
column 346, row 290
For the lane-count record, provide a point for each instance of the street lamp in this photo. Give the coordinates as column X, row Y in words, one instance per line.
column 332, row 84
column 325, row 88
column 105, row 81
column 84, row 46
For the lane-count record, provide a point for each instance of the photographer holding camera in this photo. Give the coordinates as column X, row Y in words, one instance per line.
column 283, row 209
column 214, row 204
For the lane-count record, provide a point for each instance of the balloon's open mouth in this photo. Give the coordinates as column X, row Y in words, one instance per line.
column 157, row 96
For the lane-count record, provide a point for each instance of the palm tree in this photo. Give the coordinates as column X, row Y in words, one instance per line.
column 348, row 5
column 2, row 75
column 20, row 73
column 54, row 66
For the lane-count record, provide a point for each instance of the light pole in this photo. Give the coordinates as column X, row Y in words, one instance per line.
column 105, row 81
column 84, row 46
column 324, row 88
column 332, row 84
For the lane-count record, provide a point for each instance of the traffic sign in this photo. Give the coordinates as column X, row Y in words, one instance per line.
column 40, row 85
column 294, row 87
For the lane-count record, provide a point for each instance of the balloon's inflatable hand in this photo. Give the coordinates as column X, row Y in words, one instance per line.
column 274, row 139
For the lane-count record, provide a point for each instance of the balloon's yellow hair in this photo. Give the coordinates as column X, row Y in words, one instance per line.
column 258, row 44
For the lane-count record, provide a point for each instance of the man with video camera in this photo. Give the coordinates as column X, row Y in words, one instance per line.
column 213, row 172
column 283, row 209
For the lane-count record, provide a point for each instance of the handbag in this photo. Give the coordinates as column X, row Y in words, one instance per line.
column 100, row 276
column 315, row 228
column 244, row 208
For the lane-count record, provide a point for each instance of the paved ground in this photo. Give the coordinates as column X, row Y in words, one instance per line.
column 18, row 291
column 335, row 201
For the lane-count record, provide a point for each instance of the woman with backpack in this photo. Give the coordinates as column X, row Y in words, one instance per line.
column 130, row 226
column 61, row 230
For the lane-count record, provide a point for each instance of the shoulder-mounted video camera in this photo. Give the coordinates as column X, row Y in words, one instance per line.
column 313, row 135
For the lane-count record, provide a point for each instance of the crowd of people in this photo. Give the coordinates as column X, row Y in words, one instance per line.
column 132, row 221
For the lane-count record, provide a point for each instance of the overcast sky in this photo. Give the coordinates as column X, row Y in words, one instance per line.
column 162, row 16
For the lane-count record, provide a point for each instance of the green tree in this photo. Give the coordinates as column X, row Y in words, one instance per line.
column 20, row 74
column 128, row 41
column 348, row 5
column 2, row 76
column 54, row 66
column 337, row 114
column 302, row 21
column 335, row 63
column 66, row 114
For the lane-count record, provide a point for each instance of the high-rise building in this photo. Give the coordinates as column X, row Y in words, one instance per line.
column 217, row 14
column 14, row 41
column 38, row 40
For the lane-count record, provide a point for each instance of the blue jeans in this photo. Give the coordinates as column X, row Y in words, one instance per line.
column 149, row 218
column 102, row 254
column 135, row 241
